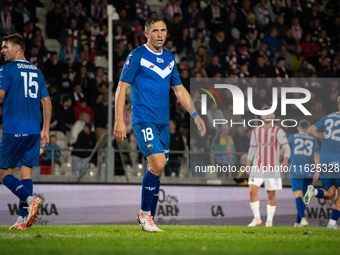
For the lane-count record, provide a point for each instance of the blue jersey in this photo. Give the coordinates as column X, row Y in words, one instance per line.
column 303, row 147
column 24, row 85
column 150, row 74
column 330, row 127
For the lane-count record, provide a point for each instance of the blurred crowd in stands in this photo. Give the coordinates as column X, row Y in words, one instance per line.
column 277, row 40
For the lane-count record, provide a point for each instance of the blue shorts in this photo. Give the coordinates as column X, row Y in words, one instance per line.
column 329, row 176
column 18, row 150
column 301, row 184
column 152, row 138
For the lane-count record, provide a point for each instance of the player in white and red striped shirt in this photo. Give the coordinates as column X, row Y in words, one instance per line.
column 265, row 146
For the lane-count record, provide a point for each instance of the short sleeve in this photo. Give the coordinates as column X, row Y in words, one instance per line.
column 281, row 137
column 175, row 79
column 315, row 146
column 131, row 67
column 320, row 124
column 4, row 79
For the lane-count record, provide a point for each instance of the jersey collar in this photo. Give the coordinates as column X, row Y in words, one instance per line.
column 156, row 53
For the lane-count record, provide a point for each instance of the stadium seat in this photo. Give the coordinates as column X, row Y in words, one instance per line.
column 101, row 61
column 48, row 4
column 42, row 18
column 40, row 10
column 53, row 45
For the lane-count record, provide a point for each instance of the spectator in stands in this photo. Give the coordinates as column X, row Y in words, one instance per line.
column 6, row 25
column 83, row 107
column 312, row 14
column 38, row 42
column 65, row 115
column 191, row 15
column 251, row 42
column 324, row 71
column 214, row 67
column 264, row 15
column 213, row 113
column 244, row 12
column 176, row 144
column 289, row 41
column 53, row 68
column 297, row 58
column 231, row 59
column 20, row 15
column 286, row 55
column 100, row 113
column 262, row 52
column 32, row 57
column 68, row 54
column 77, row 16
column 79, row 126
column 102, row 41
column 85, row 140
column 317, row 111
column 119, row 35
column 224, row 148
column 309, row 49
column 142, row 11
column 86, row 36
column 100, row 76
column 294, row 10
column 175, row 27
column 86, row 81
column 89, row 53
column 231, row 23
column 200, row 40
column 55, row 22
column 202, row 56
column 241, row 141
column 82, row 61
column 65, row 83
column 213, row 15
column 77, row 94
column 28, row 33
column 95, row 10
column 325, row 41
column 279, row 71
column 218, row 42
column 260, row 69
column 138, row 36
column 272, row 41
column 47, row 159
column 303, row 71
column 170, row 9
column 184, row 42
column 280, row 25
column 296, row 29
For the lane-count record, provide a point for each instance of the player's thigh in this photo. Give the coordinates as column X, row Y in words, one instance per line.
column 297, row 184
column 255, row 179
column 164, row 136
column 32, row 151
column 273, row 183
column 148, row 139
column 12, row 149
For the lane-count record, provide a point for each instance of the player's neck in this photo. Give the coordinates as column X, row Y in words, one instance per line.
column 152, row 48
column 19, row 57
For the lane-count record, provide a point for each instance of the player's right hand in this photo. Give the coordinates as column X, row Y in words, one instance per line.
column 119, row 131
column 44, row 138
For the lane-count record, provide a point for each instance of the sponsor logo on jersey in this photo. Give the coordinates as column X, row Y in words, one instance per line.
column 160, row 60
column 149, row 146
column 128, row 63
column 152, row 66
column 170, row 67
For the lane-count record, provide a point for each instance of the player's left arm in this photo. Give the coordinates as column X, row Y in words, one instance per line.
column 185, row 99
column 313, row 130
column 47, row 112
column 282, row 139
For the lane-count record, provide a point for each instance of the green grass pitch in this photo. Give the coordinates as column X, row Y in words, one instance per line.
column 129, row 239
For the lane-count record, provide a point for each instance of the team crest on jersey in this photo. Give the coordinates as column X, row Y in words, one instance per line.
column 170, row 67
column 160, row 60
column 128, row 63
column 149, row 146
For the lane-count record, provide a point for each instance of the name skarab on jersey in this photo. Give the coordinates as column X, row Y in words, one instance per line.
column 24, row 85
column 150, row 74
column 267, row 143
column 330, row 127
column 303, row 147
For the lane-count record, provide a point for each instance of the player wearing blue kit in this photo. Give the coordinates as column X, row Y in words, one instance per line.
column 304, row 160
column 151, row 72
column 327, row 130
column 22, row 88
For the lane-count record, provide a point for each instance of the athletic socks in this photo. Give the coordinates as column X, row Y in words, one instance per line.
column 155, row 201
column 318, row 193
column 334, row 217
column 17, row 187
column 28, row 184
column 270, row 212
column 149, row 186
column 300, row 208
column 255, row 207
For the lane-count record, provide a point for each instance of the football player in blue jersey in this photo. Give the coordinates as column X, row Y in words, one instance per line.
column 22, row 88
column 304, row 160
column 328, row 130
column 151, row 72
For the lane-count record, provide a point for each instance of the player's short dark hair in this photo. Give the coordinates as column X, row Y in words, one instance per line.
column 15, row 39
column 304, row 124
column 152, row 20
